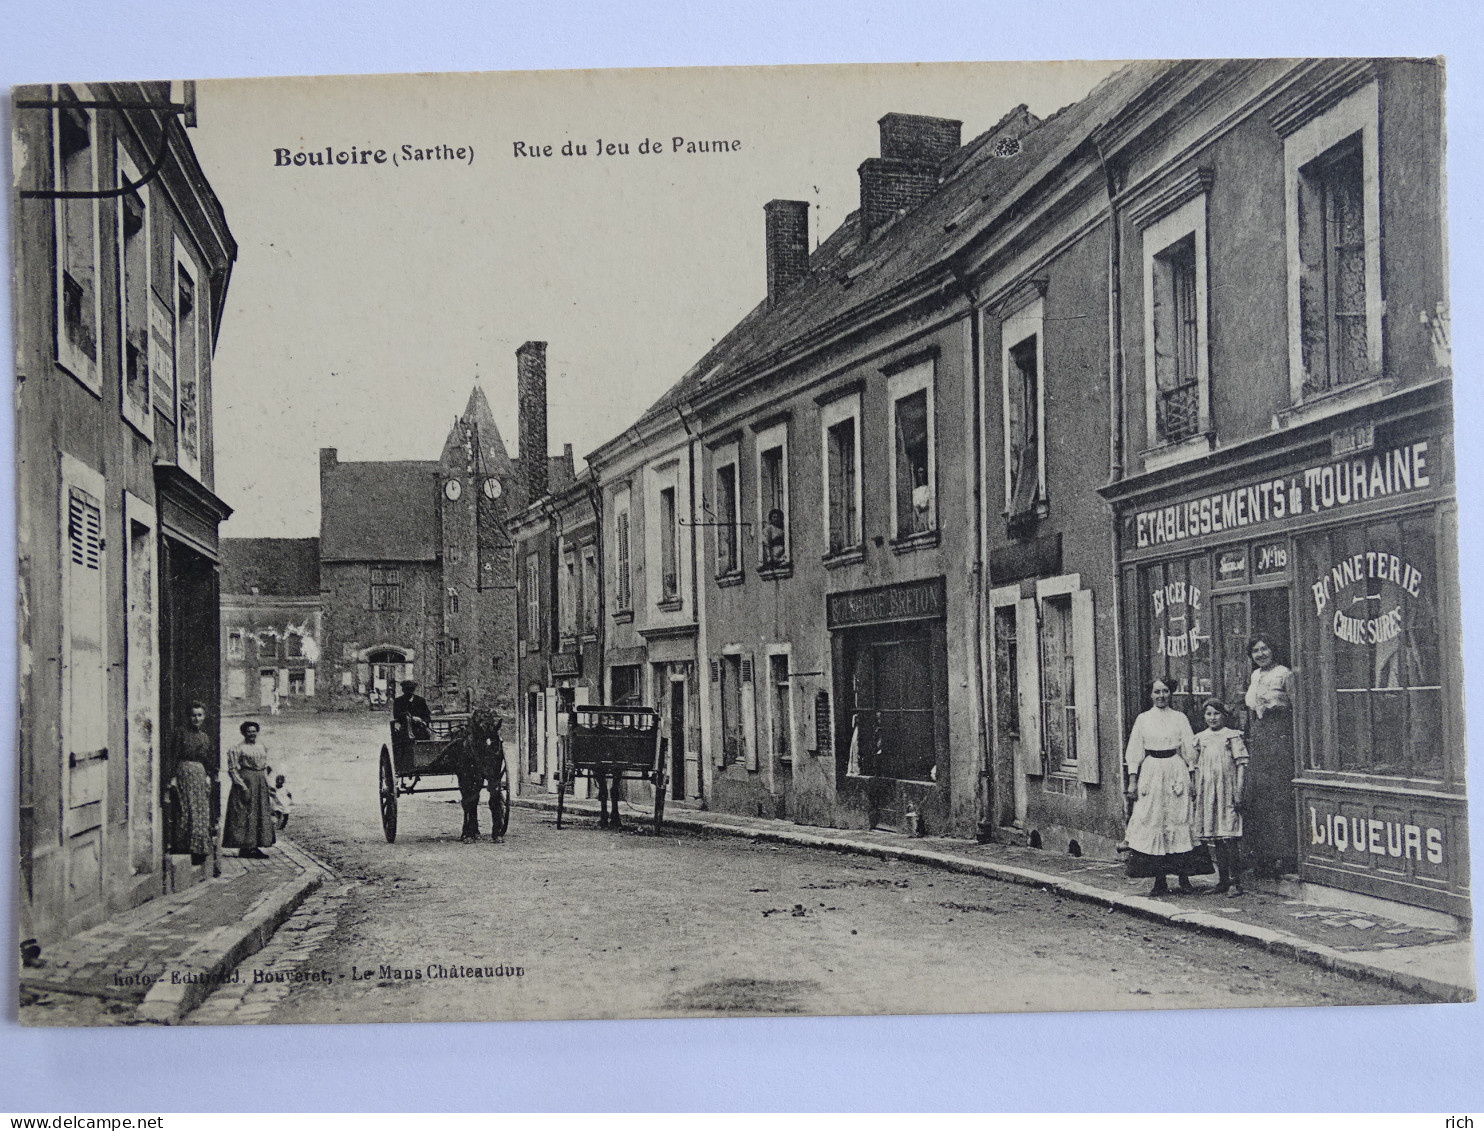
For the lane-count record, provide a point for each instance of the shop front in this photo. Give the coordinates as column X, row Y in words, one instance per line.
column 1341, row 555
column 890, row 662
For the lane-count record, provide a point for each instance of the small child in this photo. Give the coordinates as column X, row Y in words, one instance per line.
column 281, row 799
column 1219, row 776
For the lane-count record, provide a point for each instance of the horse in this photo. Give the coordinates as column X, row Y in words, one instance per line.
column 479, row 762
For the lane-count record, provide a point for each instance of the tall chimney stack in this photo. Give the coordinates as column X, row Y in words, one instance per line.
column 913, row 146
column 530, row 367
column 788, row 245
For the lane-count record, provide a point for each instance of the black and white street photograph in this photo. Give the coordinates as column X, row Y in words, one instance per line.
column 737, row 542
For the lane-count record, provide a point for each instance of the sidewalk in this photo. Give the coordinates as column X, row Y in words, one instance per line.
column 1432, row 960
column 156, row 962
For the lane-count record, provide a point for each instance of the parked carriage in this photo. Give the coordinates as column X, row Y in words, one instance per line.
column 609, row 745
column 408, row 761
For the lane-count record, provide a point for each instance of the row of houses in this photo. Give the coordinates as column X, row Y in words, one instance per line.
column 1078, row 403
column 122, row 260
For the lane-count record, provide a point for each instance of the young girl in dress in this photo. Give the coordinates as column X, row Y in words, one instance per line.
column 1219, row 776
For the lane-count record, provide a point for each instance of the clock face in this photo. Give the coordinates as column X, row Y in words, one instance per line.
column 453, row 489
column 492, row 488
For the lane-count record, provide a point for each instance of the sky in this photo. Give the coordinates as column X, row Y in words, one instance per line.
column 367, row 299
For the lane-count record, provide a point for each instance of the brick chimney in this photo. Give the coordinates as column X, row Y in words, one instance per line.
column 530, row 367
column 906, row 173
column 787, row 237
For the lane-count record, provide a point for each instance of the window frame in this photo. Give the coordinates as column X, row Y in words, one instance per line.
column 772, row 654
column 533, row 600
column 899, row 386
column 831, row 416
column 770, row 438
column 1356, row 113
column 587, row 565
column 1016, row 328
column 70, row 357
column 392, row 587
column 727, row 457
column 623, row 552
column 143, row 420
column 1160, row 236
column 567, row 590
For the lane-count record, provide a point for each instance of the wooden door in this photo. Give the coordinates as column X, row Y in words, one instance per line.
column 677, row 740
column 85, row 690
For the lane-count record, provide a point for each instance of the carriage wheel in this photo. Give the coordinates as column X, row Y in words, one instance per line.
column 388, row 796
column 660, row 786
column 502, row 797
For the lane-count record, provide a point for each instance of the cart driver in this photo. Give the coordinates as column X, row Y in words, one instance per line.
column 410, row 714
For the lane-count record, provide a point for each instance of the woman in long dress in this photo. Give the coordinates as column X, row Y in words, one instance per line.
column 249, row 824
column 1158, row 758
column 1269, row 835
column 196, row 767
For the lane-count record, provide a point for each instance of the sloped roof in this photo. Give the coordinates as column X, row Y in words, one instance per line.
column 277, row 567
column 378, row 511
column 848, row 273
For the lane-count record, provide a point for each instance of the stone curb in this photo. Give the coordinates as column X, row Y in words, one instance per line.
column 1293, row 947
column 212, row 957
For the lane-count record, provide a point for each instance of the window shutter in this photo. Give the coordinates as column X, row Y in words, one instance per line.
column 1085, row 684
column 715, row 672
column 1028, row 660
column 823, row 725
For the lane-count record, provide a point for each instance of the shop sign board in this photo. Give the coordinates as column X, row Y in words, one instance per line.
column 1329, row 486
column 566, row 664
column 910, row 600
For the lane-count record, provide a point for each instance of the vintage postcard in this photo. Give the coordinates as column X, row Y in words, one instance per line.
column 836, row 540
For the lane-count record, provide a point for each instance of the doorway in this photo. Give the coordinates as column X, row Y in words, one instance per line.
column 1239, row 617
column 677, row 739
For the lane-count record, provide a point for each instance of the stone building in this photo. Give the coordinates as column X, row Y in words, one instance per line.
column 416, row 573
column 120, row 284
column 271, row 629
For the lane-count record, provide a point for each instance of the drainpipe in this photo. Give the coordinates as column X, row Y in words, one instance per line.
column 984, row 789
column 595, row 500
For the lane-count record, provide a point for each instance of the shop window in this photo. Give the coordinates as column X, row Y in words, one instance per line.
column 774, row 551
column 1175, row 611
column 1058, row 685
column 237, row 683
column 234, row 645
column 1333, row 201
column 1370, row 661
column 296, row 683
column 1176, row 370
column 781, row 710
column 669, row 548
column 533, row 599
column 892, row 715
column 914, row 480
column 1046, row 679
column 134, row 257
column 841, row 423
column 626, row 685
column 623, row 591
column 386, row 589
column 727, row 563
column 77, row 297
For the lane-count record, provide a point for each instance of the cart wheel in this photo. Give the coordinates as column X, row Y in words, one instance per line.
column 502, row 796
column 388, row 797
column 659, row 801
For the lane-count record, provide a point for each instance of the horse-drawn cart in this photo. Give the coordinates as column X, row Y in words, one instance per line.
column 452, row 745
column 609, row 745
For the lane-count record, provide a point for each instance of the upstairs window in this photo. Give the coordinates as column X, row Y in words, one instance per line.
column 386, row 589
column 234, row 645
column 187, row 364
column 1022, row 381
column 727, row 562
column 913, row 455
column 134, row 269
column 568, row 610
column 841, row 423
column 589, row 588
column 533, row 599
column 1177, row 392
column 453, row 602
column 669, row 556
column 623, row 584
column 1332, row 215
column 774, row 550
column 77, row 299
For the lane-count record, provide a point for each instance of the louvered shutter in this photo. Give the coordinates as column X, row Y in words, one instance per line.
column 749, row 713
column 87, row 719
column 1085, row 686
column 1028, row 671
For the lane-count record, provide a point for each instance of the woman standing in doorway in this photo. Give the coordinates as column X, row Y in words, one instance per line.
column 1267, row 808
column 1161, row 750
column 249, row 825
